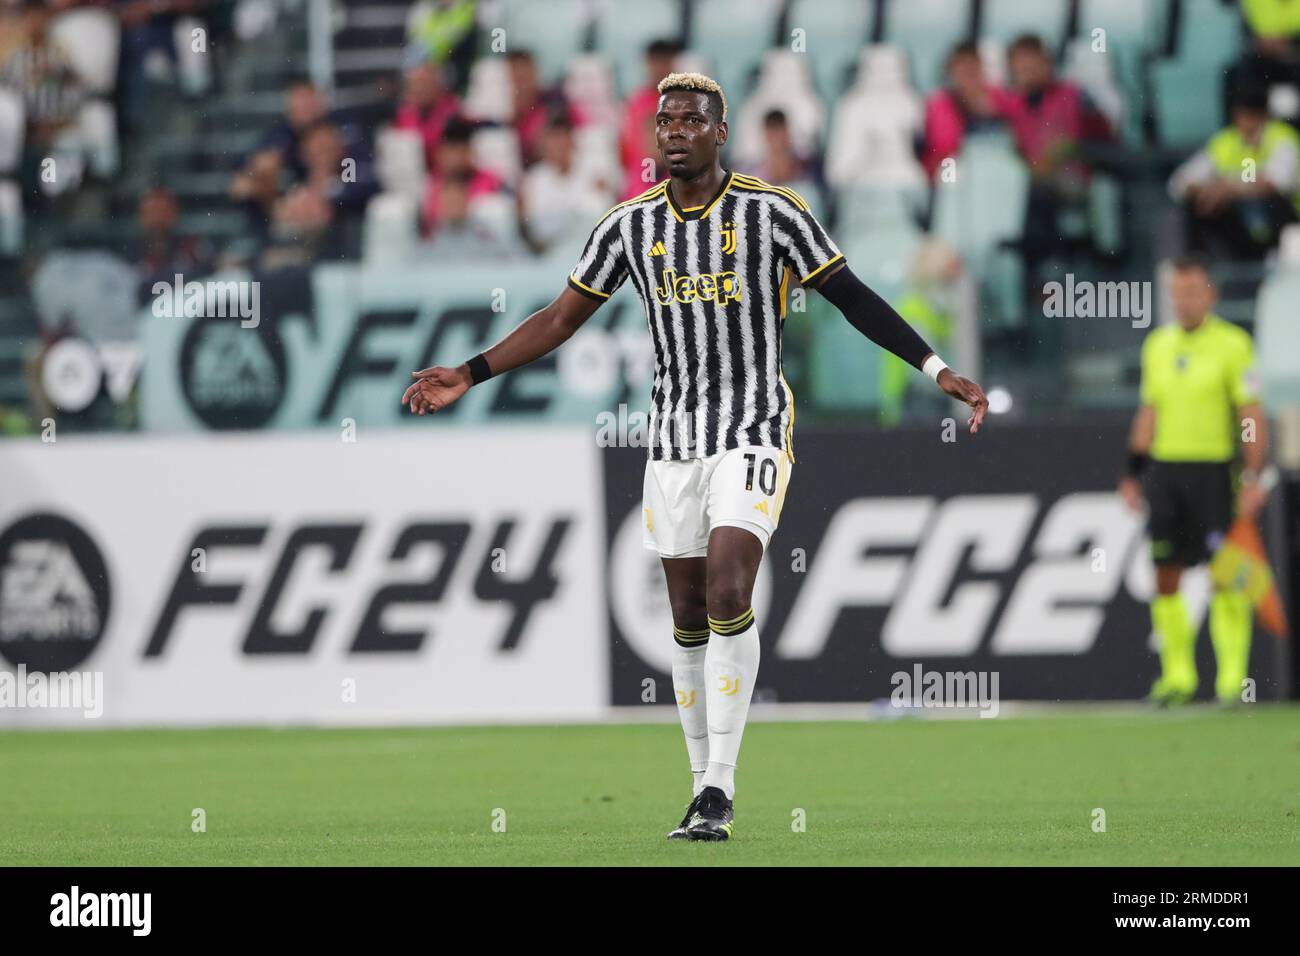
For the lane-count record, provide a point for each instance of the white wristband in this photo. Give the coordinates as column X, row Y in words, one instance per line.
column 933, row 366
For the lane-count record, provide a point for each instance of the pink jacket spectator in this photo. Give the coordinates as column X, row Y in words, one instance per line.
column 635, row 136
column 481, row 183
column 1053, row 122
column 429, row 123
column 945, row 125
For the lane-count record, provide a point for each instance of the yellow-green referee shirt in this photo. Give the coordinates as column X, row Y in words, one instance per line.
column 1196, row 381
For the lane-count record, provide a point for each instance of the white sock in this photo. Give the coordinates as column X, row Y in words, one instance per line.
column 730, row 668
column 692, row 707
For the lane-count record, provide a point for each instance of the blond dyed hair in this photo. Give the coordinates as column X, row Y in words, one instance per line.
column 694, row 81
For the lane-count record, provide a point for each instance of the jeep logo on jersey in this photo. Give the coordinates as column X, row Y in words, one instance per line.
column 722, row 287
column 231, row 376
column 54, row 594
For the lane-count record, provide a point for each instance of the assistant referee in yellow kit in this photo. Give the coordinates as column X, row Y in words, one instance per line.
column 1199, row 403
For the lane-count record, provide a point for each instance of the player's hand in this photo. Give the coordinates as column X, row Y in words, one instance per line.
column 964, row 390
column 1130, row 489
column 436, row 388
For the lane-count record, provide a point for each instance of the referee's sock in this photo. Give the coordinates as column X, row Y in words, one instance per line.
column 688, row 684
column 1177, row 642
column 1230, row 633
column 730, row 669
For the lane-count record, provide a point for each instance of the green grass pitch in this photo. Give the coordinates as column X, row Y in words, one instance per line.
column 1198, row 786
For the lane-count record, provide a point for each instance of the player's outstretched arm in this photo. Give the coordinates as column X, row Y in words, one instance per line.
column 876, row 319
column 546, row 329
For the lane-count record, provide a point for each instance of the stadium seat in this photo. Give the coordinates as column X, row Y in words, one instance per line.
column 400, row 162
column 981, row 213
column 11, row 218
column 1106, row 213
column 551, row 30
column 13, row 123
column 97, row 134
column 1187, row 89
column 927, row 30
column 1209, row 32
column 874, row 123
column 872, row 153
column 1134, row 31
column 1277, row 339
column 732, row 35
column 985, row 206
column 1288, row 248
column 391, row 229
column 193, row 67
column 783, row 83
column 835, row 32
column 589, row 85
column 882, row 257
column 1094, row 72
column 624, row 30
column 1004, row 20
column 1132, row 27
column 871, row 210
column 845, row 373
column 91, row 38
column 496, row 149
column 1187, row 100
column 488, row 95
column 993, row 57
column 596, row 153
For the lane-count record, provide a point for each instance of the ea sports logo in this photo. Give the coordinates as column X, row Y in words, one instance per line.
column 231, row 376
column 54, row 594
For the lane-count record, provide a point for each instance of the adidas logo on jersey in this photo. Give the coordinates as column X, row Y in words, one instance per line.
column 658, row 249
column 761, row 506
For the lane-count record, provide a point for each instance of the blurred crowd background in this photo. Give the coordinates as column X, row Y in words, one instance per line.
column 963, row 153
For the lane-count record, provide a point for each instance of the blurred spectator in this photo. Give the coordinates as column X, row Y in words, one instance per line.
column 427, row 105
column 160, row 251
column 148, row 45
column 300, row 231
column 1273, row 55
column 461, row 233
column 442, row 31
column 970, row 103
column 636, row 139
column 930, row 306
column 556, row 198
column 1243, row 186
column 256, row 188
column 1050, row 118
column 304, row 108
column 455, row 161
column 532, row 106
column 41, row 71
column 346, row 181
column 782, row 163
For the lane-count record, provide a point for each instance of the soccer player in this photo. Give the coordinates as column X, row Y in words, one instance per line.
column 712, row 255
column 1198, row 395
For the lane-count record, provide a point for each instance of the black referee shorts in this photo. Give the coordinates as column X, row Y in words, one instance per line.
column 1191, row 505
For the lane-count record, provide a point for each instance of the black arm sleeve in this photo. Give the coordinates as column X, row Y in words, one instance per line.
column 874, row 317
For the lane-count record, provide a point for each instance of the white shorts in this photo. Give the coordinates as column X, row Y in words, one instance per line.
column 684, row 500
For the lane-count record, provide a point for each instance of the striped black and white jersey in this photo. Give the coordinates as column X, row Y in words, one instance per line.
column 714, row 280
